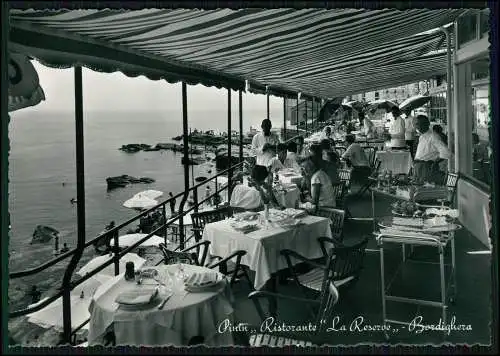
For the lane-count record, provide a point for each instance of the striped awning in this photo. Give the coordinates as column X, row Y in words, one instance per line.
column 319, row 52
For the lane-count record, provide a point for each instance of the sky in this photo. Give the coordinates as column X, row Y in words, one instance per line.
column 117, row 92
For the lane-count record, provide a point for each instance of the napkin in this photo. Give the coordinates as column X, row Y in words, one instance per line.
column 198, row 279
column 137, row 297
column 243, row 225
column 294, row 213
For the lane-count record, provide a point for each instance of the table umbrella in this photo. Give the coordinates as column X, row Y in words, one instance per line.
column 110, row 270
column 130, row 239
column 356, row 105
column 90, row 285
column 139, row 201
column 381, row 104
column 329, row 108
column 151, row 194
column 414, row 102
column 52, row 314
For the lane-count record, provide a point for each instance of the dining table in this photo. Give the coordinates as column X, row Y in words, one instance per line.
column 266, row 238
column 396, row 161
column 172, row 316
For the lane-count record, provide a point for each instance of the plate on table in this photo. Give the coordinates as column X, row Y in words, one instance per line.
column 138, row 298
column 246, row 216
column 201, row 281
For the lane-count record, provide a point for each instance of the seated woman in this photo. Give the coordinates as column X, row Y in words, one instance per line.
column 322, row 192
column 323, row 153
column 355, row 157
column 255, row 196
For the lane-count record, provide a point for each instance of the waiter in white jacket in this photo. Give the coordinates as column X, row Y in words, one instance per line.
column 263, row 141
column 397, row 130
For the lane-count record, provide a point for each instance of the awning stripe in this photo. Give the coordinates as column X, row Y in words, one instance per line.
column 319, row 52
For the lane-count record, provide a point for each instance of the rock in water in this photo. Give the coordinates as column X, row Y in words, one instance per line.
column 43, row 234
column 124, row 180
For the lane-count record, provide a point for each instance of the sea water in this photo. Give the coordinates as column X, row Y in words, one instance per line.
column 42, row 173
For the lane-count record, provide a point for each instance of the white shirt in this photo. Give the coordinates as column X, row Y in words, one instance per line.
column 397, row 131
column 245, row 197
column 326, row 194
column 259, row 140
column 291, row 161
column 410, row 130
column 431, row 147
column 368, row 128
column 270, row 161
column 356, row 154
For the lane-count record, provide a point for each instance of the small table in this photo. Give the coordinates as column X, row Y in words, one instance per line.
column 184, row 315
column 398, row 234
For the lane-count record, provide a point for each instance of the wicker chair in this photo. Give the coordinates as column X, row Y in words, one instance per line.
column 346, row 266
column 451, row 182
column 345, row 176
column 340, row 192
column 336, row 217
column 190, row 255
column 202, row 218
column 318, row 335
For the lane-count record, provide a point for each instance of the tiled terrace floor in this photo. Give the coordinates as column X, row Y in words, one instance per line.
column 473, row 301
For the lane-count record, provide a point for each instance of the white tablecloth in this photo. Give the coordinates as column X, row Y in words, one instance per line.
column 184, row 316
column 395, row 161
column 264, row 245
column 289, row 177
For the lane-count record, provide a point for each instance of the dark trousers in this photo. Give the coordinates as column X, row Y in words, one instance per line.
column 411, row 145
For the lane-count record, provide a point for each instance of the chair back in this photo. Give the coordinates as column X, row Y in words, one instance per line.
column 345, row 175
column 202, row 218
column 329, row 297
column 171, row 257
column 370, row 155
column 348, row 260
column 339, row 190
column 336, row 217
column 451, row 184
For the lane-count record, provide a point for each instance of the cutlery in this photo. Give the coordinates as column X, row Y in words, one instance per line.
column 164, row 301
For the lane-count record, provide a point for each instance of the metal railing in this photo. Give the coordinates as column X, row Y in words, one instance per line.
column 114, row 234
column 117, row 253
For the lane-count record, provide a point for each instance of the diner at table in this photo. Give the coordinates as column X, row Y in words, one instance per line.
column 356, row 158
column 291, row 157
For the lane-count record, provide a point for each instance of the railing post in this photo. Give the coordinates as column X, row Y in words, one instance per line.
column 116, row 248
column 164, row 214
column 80, row 196
column 195, row 198
column 229, row 150
column 241, row 122
column 4, row 161
column 186, row 165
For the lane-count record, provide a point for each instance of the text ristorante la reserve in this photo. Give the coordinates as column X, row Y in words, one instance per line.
column 358, row 324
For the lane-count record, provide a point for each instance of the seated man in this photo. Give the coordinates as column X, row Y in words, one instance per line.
column 270, row 160
column 291, row 157
column 355, row 157
column 254, row 197
column 430, row 151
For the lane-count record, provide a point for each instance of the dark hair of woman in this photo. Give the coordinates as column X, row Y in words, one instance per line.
column 259, row 173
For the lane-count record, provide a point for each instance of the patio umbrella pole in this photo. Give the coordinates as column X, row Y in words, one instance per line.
column 80, row 204
column 297, row 114
column 284, row 119
column 229, row 153
column 240, row 99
